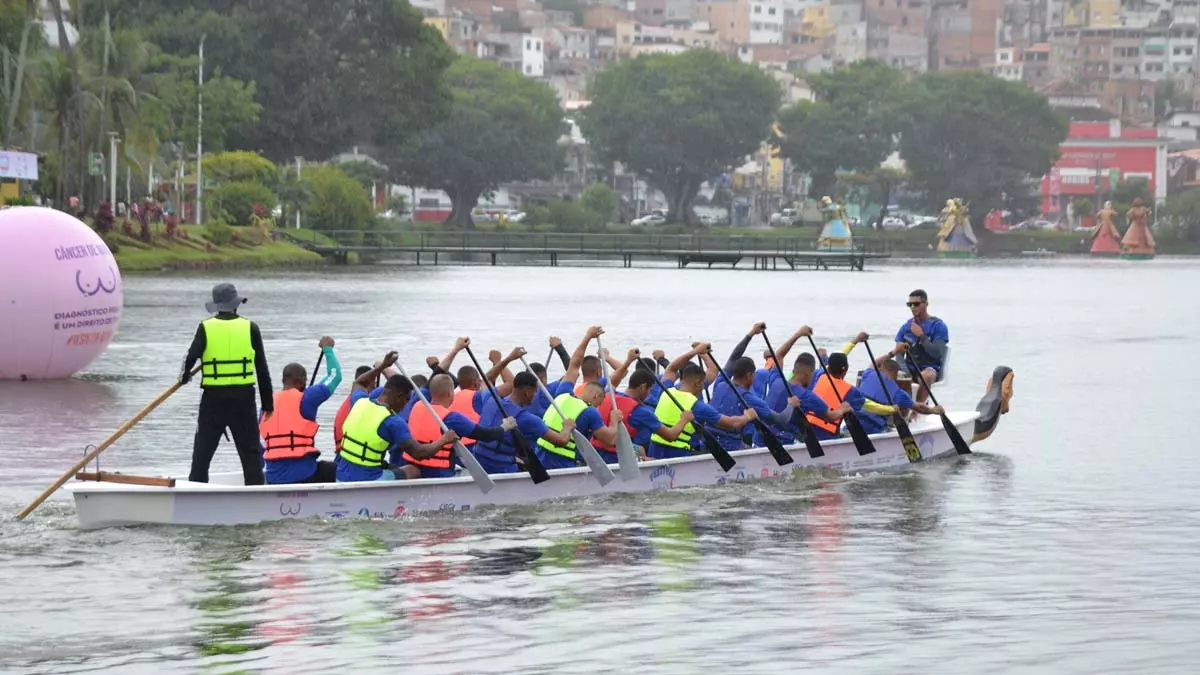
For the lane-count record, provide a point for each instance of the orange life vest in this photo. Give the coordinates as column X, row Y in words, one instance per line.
column 464, row 405
column 287, row 435
column 626, row 404
column 425, row 429
column 339, row 421
column 825, row 390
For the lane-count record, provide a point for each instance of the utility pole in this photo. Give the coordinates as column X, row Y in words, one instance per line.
column 299, row 162
column 200, row 132
column 112, row 169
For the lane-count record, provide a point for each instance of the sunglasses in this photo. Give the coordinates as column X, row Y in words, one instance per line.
column 914, row 304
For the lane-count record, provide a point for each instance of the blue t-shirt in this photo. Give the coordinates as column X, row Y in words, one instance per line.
column 393, row 429
column 500, row 457
column 872, row 388
column 413, row 401
column 727, row 403
column 645, row 424
column 935, row 329
column 656, row 393
column 777, row 396
column 762, row 379
column 587, row 422
column 283, row 471
column 541, row 403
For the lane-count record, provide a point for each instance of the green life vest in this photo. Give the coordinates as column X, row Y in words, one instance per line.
column 571, row 407
column 228, row 358
column 361, row 442
column 668, row 414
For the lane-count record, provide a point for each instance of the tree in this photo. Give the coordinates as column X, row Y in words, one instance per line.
column 502, row 127
column 1178, row 222
column 879, row 183
column 336, row 201
column 1170, row 97
column 974, row 136
column 235, row 201
column 240, row 166
column 601, row 200
column 851, row 125
column 678, row 120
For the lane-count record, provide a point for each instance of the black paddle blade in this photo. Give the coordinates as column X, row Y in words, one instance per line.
column 911, row 449
column 715, row 449
column 777, row 450
column 960, row 445
column 859, row 434
column 810, row 436
column 533, row 465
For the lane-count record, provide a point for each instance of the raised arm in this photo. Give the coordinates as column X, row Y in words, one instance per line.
column 622, row 369
column 368, row 379
column 557, row 345
column 682, row 360
column 786, row 347
column 448, row 360
column 333, row 369
column 506, row 385
column 740, row 349
column 572, row 373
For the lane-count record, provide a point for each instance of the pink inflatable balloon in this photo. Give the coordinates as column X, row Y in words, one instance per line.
column 60, row 294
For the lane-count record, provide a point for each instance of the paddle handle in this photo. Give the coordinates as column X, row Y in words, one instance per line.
column 320, row 359
column 102, row 447
column 472, row 465
column 612, row 391
column 825, row 368
column 544, row 390
column 915, row 370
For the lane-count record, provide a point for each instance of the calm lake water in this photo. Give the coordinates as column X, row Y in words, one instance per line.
column 1069, row 543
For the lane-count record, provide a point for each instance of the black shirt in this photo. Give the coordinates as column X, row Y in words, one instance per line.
column 261, row 373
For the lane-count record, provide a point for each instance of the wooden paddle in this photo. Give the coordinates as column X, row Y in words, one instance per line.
column 798, row 420
column 911, row 449
column 533, row 465
column 583, row 446
column 626, row 455
column 773, row 445
column 861, row 441
column 472, row 465
column 102, row 447
column 960, row 445
column 710, row 442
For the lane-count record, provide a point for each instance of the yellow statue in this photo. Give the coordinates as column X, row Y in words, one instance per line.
column 835, row 236
column 956, row 238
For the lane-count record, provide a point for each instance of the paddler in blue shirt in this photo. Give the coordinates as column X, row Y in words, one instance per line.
column 583, row 410
column 572, row 364
column 501, row 456
column 691, row 384
column 872, row 387
column 425, row 429
column 800, row 386
column 925, row 338
column 375, row 426
column 289, row 436
column 741, row 369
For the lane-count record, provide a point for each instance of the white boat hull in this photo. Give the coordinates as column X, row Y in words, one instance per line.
column 226, row 502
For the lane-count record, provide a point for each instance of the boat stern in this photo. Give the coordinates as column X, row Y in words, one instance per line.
column 995, row 402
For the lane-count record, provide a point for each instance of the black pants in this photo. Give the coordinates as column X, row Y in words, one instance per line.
column 232, row 408
column 326, row 473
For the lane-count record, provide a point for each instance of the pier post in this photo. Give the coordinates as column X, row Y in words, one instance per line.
column 493, row 259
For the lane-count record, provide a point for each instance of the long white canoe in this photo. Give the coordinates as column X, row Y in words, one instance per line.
column 227, row 502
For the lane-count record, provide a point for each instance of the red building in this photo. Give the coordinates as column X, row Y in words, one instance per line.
column 1098, row 155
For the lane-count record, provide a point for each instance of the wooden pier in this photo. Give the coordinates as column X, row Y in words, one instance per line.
column 554, row 249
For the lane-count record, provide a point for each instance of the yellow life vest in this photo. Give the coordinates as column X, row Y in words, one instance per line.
column 668, row 414
column 361, row 442
column 228, row 358
column 571, row 407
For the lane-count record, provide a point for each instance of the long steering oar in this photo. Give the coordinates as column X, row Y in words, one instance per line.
column 472, row 465
column 777, row 450
column 960, row 445
column 583, row 447
column 798, row 420
column 711, row 444
column 861, row 441
column 102, row 447
column 533, row 465
column 626, row 456
column 911, row 449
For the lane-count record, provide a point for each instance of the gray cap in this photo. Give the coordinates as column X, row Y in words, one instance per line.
column 225, row 299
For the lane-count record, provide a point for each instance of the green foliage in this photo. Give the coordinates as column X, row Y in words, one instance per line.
column 974, row 136
column 1133, row 188
column 572, row 216
column 239, row 166
column 236, row 200
column 18, row 201
column 679, row 120
column 850, row 126
column 503, row 127
column 876, row 185
column 1178, row 222
column 336, row 201
column 537, row 214
column 218, row 233
column 601, row 200
column 1083, row 207
column 364, row 172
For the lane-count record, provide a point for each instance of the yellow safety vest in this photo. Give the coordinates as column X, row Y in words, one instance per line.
column 571, row 407
column 228, row 358
column 668, row 414
column 361, row 442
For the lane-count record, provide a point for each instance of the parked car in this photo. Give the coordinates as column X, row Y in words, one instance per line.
column 923, row 223
column 893, row 223
column 649, row 219
column 786, row 217
column 514, row 216
column 707, row 220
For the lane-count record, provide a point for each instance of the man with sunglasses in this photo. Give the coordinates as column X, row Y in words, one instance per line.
column 925, row 338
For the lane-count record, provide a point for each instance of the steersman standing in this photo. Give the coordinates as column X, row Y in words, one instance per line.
column 230, row 350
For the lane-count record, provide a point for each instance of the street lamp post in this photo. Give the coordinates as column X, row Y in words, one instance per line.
column 200, row 132
column 112, row 169
column 299, row 162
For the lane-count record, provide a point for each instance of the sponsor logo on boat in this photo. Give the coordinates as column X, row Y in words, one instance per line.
column 663, row 478
column 365, row 512
column 741, row 475
column 720, row 479
column 288, row 510
column 336, row 514
column 400, row 509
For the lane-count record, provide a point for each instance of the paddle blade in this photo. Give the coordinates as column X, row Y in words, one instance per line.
column 776, row 448
column 626, row 455
column 533, row 465
column 911, row 449
column 960, row 445
column 473, row 467
column 714, row 448
column 810, row 436
column 861, row 441
column 593, row 460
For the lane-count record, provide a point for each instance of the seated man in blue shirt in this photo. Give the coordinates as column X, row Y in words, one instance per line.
column 375, row 426
column 289, row 434
column 687, row 394
column 872, row 387
column 501, row 456
column 800, row 386
column 924, row 337
column 641, row 420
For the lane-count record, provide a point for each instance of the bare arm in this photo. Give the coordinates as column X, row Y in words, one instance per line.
column 448, row 360
column 559, row 438
column 622, row 369
column 572, row 373
column 368, row 379
column 427, row 450
column 681, row 361
column 786, row 347
column 672, row 433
